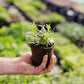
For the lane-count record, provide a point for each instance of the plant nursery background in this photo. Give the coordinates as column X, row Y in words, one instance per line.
column 66, row 18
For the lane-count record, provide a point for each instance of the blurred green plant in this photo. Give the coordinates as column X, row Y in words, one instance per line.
column 38, row 4
column 71, row 56
column 73, row 31
column 31, row 7
column 54, row 17
column 35, row 8
column 4, row 16
column 11, row 39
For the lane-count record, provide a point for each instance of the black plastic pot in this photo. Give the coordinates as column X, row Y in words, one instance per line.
column 38, row 52
column 2, row 23
column 62, row 11
column 52, row 7
column 44, row 1
column 70, row 15
column 80, row 18
column 79, row 44
column 58, row 57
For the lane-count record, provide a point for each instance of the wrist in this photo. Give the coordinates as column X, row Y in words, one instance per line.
column 9, row 65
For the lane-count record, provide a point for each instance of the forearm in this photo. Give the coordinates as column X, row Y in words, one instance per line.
column 9, row 65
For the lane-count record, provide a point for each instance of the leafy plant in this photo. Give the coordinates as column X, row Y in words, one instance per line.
column 71, row 56
column 31, row 7
column 12, row 41
column 38, row 4
column 4, row 16
column 34, row 8
column 73, row 31
column 54, row 17
column 30, row 10
column 43, row 37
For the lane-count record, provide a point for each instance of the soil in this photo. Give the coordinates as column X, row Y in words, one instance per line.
column 38, row 53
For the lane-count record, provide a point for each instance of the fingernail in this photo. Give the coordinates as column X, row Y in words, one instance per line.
column 46, row 57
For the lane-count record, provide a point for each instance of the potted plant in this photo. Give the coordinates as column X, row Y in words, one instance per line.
column 41, row 41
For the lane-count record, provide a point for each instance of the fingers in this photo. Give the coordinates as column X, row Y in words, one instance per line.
column 44, row 62
column 52, row 62
column 44, row 71
column 51, row 65
column 30, row 69
column 42, row 66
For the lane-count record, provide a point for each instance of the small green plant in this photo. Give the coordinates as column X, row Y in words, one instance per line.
column 41, row 37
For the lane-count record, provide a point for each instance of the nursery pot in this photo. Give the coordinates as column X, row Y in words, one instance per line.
column 38, row 52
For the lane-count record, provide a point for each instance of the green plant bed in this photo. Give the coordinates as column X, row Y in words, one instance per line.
column 4, row 16
column 68, row 78
column 71, row 56
column 17, row 30
column 35, row 3
column 34, row 9
column 30, row 6
column 53, row 17
column 11, row 47
column 73, row 31
column 11, row 39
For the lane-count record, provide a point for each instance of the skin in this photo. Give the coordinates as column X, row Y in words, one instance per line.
column 23, row 65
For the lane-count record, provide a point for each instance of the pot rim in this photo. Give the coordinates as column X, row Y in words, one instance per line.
column 41, row 46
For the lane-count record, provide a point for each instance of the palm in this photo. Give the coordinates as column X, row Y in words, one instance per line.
column 26, row 66
column 26, row 57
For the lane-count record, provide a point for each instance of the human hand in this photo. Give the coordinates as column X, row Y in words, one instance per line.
column 23, row 65
column 26, row 67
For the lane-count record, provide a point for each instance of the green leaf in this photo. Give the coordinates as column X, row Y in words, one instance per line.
column 48, row 27
column 34, row 28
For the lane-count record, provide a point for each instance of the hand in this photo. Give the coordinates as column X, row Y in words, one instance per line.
column 23, row 65
column 26, row 67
